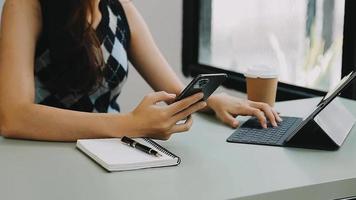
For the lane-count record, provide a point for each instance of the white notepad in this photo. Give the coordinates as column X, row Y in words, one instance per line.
column 114, row 155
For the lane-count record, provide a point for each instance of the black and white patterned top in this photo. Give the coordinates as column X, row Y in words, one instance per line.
column 114, row 35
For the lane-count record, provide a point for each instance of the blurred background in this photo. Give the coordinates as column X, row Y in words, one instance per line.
column 303, row 39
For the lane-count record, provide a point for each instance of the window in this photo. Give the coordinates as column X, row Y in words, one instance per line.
column 310, row 42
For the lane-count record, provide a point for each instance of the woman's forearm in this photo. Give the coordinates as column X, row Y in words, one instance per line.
column 146, row 56
column 38, row 122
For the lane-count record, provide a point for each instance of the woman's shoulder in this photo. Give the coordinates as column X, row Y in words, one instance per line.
column 34, row 5
column 21, row 2
column 116, row 5
column 30, row 9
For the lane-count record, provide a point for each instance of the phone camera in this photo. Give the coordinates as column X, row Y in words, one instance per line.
column 201, row 83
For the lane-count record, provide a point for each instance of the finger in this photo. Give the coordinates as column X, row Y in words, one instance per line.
column 190, row 110
column 259, row 115
column 267, row 110
column 276, row 114
column 185, row 103
column 156, row 97
column 228, row 119
column 178, row 128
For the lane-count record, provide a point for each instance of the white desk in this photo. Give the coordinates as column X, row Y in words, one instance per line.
column 211, row 168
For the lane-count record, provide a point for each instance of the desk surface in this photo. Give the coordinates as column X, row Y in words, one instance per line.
column 211, row 168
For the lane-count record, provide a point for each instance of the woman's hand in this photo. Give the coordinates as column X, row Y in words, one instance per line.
column 160, row 122
column 227, row 107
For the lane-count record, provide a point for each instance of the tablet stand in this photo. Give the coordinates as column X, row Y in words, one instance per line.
column 327, row 130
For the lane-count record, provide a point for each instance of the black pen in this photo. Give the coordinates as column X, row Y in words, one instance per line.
column 139, row 146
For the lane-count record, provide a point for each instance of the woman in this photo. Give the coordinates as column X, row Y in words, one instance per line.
column 62, row 66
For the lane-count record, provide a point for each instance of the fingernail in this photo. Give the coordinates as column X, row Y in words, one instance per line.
column 203, row 104
column 264, row 126
column 274, row 124
column 235, row 124
column 280, row 119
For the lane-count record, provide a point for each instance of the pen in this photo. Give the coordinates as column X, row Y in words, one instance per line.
column 139, row 146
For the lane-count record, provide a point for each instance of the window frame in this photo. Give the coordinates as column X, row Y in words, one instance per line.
column 236, row 81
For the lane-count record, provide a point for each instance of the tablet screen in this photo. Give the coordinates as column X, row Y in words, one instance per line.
column 332, row 91
column 325, row 101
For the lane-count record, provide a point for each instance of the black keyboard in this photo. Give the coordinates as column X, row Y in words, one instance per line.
column 252, row 132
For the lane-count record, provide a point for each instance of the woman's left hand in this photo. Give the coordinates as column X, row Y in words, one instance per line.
column 227, row 108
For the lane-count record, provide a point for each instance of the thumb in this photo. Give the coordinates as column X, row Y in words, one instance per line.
column 228, row 119
column 160, row 96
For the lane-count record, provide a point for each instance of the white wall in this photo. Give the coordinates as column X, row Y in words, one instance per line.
column 164, row 19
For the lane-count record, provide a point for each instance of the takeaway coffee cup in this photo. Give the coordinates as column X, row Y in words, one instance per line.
column 261, row 82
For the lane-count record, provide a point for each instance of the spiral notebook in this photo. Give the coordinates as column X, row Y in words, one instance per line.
column 114, row 155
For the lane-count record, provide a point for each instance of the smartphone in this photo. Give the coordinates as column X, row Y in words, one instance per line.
column 206, row 83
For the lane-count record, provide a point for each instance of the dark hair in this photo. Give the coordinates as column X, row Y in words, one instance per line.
column 76, row 58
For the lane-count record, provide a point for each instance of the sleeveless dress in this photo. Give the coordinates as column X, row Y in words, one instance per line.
column 114, row 36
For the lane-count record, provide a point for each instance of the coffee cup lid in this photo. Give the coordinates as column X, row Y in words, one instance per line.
column 261, row 71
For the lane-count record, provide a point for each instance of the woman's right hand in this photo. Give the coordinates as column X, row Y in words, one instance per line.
column 160, row 122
